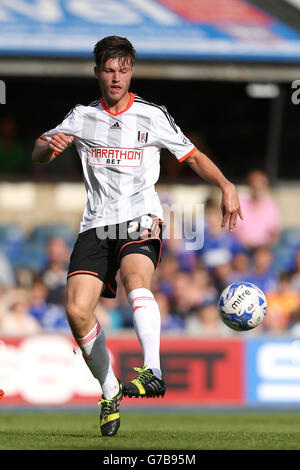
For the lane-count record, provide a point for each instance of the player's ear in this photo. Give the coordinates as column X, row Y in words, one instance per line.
column 96, row 71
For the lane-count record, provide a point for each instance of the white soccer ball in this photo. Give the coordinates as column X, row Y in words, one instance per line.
column 242, row 306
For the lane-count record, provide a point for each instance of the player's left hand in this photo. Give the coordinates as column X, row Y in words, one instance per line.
column 230, row 206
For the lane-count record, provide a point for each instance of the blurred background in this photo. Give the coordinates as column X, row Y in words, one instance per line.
column 228, row 71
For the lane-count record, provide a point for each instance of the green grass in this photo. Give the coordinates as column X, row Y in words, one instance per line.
column 183, row 431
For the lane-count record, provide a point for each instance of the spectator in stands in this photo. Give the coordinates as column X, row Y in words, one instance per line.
column 13, row 156
column 170, row 323
column 24, row 277
column 51, row 317
column 15, row 317
column 219, row 244
column 7, row 277
column 175, row 245
column 2, row 289
column 240, row 267
column 222, row 274
column 109, row 315
column 205, row 321
column 204, row 284
column 55, row 274
column 283, row 306
column 261, row 223
column 294, row 329
column 295, row 275
column 124, row 309
column 262, row 273
column 185, row 294
column 168, row 268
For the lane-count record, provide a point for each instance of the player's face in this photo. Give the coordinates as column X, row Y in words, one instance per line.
column 114, row 78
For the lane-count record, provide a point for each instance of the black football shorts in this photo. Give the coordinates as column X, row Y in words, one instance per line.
column 98, row 251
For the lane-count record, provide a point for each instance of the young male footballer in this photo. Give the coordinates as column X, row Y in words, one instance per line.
column 118, row 139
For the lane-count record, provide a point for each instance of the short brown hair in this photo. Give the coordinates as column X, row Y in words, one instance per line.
column 112, row 47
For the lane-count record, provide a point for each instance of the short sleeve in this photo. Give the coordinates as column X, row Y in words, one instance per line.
column 170, row 136
column 71, row 125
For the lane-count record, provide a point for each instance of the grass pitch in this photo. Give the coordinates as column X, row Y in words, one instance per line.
column 146, row 431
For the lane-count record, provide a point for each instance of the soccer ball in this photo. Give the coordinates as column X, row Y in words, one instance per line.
column 242, row 306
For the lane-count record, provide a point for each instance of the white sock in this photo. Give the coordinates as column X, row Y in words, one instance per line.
column 96, row 356
column 147, row 324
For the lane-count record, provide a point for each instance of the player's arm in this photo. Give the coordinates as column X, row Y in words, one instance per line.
column 230, row 204
column 45, row 152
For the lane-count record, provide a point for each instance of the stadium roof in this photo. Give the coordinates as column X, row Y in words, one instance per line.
column 228, row 39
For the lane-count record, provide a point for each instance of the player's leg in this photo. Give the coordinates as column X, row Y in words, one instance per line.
column 136, row 271
column 83, row 293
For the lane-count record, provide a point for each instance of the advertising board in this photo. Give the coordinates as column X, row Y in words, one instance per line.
column 48, row 370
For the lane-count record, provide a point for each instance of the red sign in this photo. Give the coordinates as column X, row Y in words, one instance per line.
column 43, row 370
column 196, row 371
column 218, row 11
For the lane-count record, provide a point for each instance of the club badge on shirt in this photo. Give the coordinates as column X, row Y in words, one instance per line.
column 142, row 137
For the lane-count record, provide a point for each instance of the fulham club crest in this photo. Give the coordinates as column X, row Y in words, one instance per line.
column 142, row 137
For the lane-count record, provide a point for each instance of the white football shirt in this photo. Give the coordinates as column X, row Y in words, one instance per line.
column 120, row 155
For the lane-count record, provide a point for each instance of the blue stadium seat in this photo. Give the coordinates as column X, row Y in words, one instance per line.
column 42, row 233
column 11, row 232
column 32, row 256
column 290, row 237
column 284, row 258
column 12, row 239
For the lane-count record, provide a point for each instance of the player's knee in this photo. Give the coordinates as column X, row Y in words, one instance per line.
column 132, row 280
column 77, row 313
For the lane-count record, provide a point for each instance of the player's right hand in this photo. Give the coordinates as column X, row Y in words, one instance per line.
column 60, row 142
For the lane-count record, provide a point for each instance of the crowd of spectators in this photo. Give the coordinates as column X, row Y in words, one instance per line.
column 187, row 283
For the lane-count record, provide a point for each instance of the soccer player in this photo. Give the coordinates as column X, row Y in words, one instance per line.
column 118, row 139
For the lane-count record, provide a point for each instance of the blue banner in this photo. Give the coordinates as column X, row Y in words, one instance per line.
column 273, row 371
column 159, row 29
